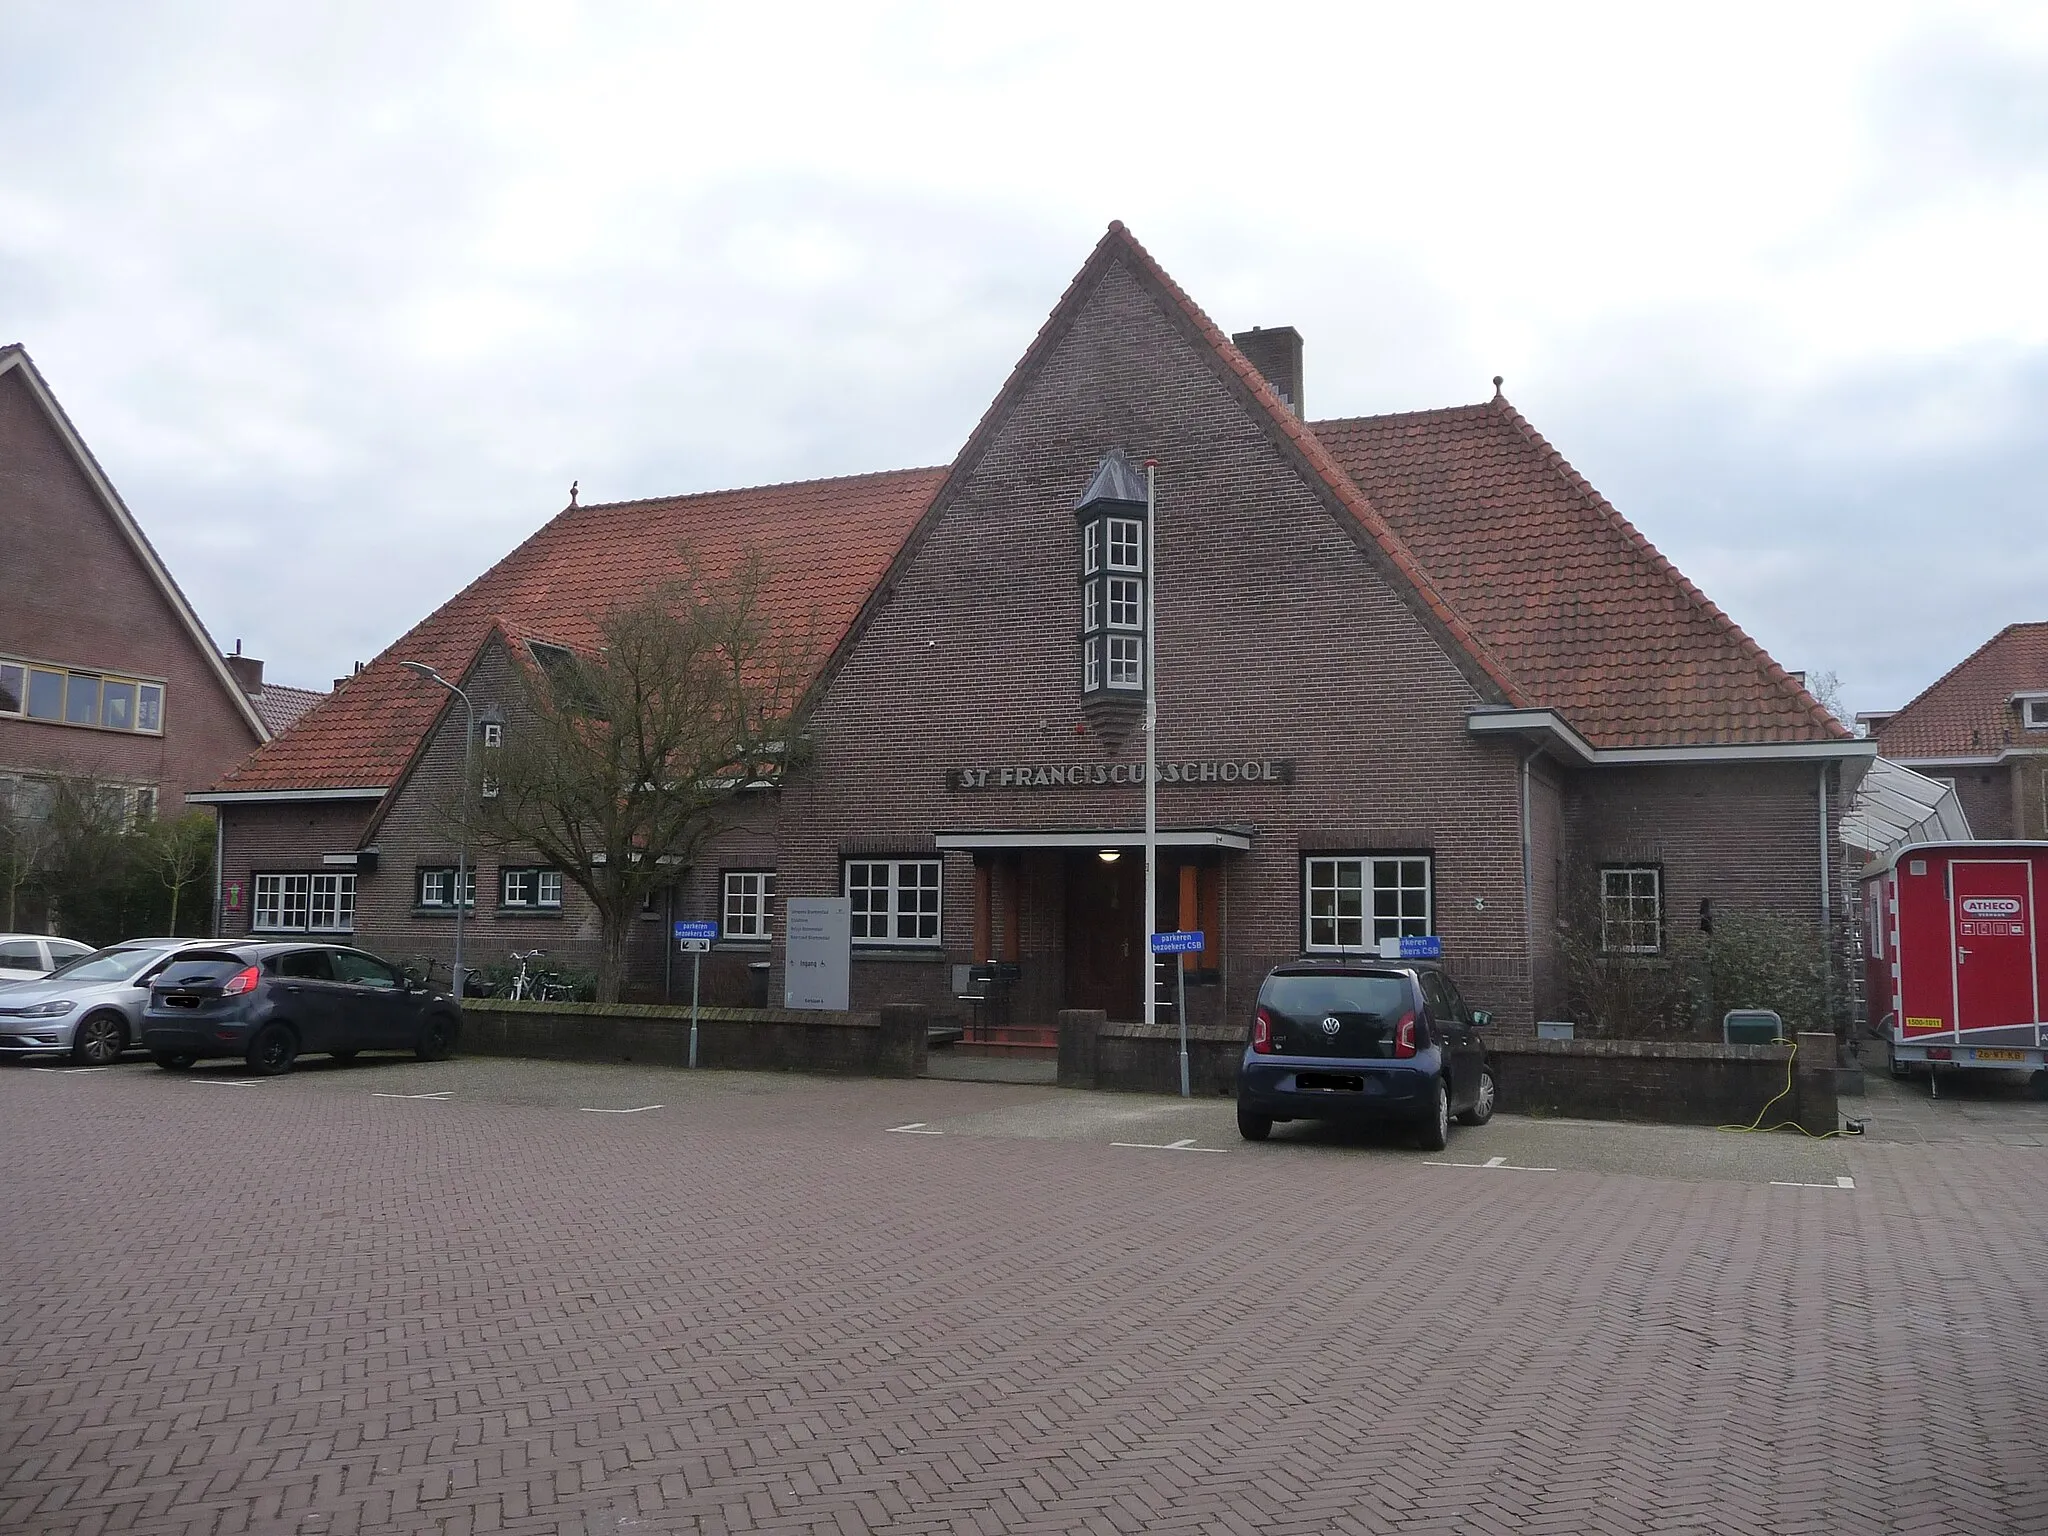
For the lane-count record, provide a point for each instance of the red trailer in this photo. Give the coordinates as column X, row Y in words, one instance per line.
column 1955, row 969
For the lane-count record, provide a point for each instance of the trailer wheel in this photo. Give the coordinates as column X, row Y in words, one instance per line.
column 2038, row 1084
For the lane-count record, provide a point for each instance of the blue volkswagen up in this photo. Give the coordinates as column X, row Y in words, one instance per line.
column 1364, row 1040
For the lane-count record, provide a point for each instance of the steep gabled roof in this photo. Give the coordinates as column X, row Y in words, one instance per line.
column 1582, row 611
column 1968, row 711
column 14, row 358
column 1376, row 538
column 824, row 543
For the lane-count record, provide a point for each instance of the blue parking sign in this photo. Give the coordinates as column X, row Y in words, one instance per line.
column 1182, row 943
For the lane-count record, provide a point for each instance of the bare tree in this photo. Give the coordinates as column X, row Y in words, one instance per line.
column 1826, row 689
column 27, row 842
column 617, row 765
column 179, row 853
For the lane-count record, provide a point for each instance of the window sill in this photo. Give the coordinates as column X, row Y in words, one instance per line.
column 915, row 953
column 545, row 912
column 80, row 725
column 745, row 946
column 447, row 912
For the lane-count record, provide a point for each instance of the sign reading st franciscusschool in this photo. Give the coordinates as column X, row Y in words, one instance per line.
column 1197, row 771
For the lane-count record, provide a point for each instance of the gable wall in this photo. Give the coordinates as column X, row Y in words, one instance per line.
column 420, row 829
column 1277, row 639
column 78, row 594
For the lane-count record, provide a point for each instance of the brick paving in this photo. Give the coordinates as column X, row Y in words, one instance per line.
column 293, row 1306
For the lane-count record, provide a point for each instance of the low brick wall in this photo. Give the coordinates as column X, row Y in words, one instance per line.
column 1679, row 1082
column 1097, row 1054
column 1675, row 1082
column 890, row 1043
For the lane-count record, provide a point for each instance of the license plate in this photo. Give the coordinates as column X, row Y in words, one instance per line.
column 1985, row 1055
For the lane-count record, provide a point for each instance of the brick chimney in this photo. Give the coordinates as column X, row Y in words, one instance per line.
column 1277, row 355
column 247, row 670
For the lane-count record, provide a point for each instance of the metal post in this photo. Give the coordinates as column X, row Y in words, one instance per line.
column 1150, row 903
column 462, row 850
column 1180, row 977
column 696, row 969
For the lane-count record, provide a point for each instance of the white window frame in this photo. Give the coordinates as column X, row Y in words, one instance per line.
column 2034, row 713
column 1091, row 605
column 547, row 889
column 1091, row 664
column 747, row 905
column 529, row 878
column 1126, row 661
column 445, row 874
column 289, row 901
column 1625, row 889
column 1379, row 889
column 1091, row 548
column 493, row 734
column 1126, row 606
column 892, row 895
column 1121, row 534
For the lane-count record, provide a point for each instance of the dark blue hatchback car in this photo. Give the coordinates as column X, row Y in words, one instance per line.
column 1364, row 1040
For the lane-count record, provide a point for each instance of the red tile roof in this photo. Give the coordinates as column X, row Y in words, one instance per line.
column 280, row 707
column 1585, row 615
column 824, row 542
column 1969, row 711
column 1549, row 594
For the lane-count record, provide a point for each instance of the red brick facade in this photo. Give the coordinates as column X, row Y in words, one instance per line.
column 1294, row 628
column 81, row 594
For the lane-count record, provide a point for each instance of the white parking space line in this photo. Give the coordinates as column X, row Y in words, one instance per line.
column 68, row 1071
column 1185, row 1144
column 915, row 1128
column 438, row 1098
column 586, row 1109
column 227, row 1082
column 1842, row 1181
column 1500, row 1163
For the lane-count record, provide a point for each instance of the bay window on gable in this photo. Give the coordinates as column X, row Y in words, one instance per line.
column 1111, row 519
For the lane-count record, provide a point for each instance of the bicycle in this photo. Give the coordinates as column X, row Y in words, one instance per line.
column 524, row 987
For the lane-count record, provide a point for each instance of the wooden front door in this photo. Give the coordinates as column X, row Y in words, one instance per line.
column 1105, row 933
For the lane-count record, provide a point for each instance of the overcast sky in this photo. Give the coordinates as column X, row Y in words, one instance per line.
column 344, row 296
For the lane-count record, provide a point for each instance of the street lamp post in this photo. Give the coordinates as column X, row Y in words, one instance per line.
column 462, row 852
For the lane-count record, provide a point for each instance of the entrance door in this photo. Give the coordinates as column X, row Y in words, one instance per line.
column 1105, row 934
column 1994, row 929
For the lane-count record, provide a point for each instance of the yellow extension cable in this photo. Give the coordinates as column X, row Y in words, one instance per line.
column 1758, row 1125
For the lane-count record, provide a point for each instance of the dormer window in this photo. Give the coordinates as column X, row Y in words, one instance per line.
column 1111, row 524
column 2034, row 711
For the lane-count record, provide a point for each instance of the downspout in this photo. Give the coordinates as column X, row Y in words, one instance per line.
column 1529, row 880
column 219, row 852
column 1827, row 906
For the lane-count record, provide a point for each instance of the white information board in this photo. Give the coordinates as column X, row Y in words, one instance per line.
column 820, row 935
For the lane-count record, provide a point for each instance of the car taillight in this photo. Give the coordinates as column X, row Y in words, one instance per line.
column 240, row 982
column 1404, row 1036
column 1262, row 1033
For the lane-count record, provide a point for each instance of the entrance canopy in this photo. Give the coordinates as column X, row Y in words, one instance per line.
column 1236, row 839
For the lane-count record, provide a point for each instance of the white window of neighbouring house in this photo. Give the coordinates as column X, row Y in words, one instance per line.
column 894, row 901
column 1355, row 900
column 291, row 903
column 64, row 697
column 749, row 903
column 1632, row 909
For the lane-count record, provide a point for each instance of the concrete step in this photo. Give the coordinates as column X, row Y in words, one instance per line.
column 1017, row 1050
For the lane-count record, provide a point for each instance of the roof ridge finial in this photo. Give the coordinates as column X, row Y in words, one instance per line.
column 1497, row 382
column 573, row 484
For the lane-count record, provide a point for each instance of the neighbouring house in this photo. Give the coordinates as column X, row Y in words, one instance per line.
column 1414, row 677
column 1982, row 729
column 105, row 669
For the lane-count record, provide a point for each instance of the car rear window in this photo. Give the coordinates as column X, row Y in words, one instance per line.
column 1300, row 996
column 107, row 965
column 188, row 969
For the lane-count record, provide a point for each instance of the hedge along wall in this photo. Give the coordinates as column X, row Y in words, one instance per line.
column 889, row 1043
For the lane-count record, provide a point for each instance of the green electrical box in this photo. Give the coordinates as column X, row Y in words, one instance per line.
column 1751, row 1026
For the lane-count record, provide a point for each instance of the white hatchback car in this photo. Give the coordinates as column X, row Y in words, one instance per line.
column 26, row 956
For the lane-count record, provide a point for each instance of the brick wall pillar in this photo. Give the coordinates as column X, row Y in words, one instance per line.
column 1080, row 1046
column 906, row 1037
column 1814, row 1088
